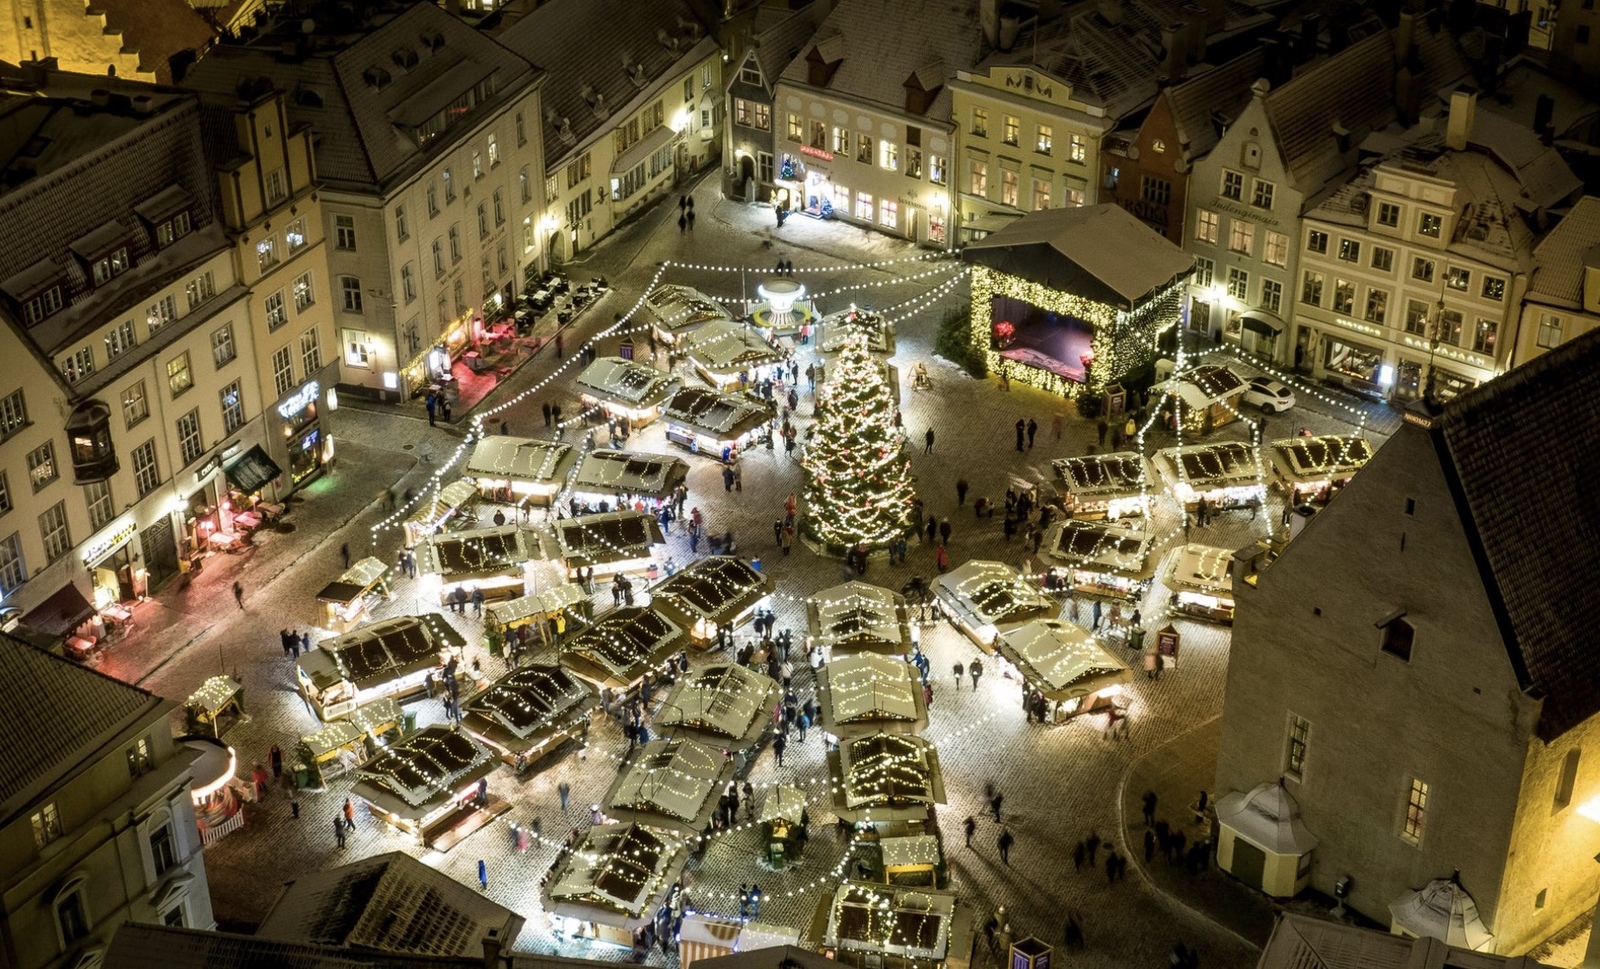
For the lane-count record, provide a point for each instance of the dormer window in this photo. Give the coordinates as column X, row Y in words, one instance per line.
column 750, row 73
column 110, row 266
column 173, row 229
column 405, row 58
column 45, row 304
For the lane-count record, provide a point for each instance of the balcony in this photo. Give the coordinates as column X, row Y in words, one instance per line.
column 89, row 431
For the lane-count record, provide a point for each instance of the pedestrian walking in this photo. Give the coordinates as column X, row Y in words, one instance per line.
column 928, row 439
column 1078, row 855
column 338, row 829
column 275, row 758
column 1092, row 845
column 1100, row 429
column 691, row 220
column 944, row 531
column 349, row 815
column 1022, row 432
column 544, row 408
column 238, row 593
column 778, row 744
column 1149, row 801
column 1004, row 841
column 958, row 672
column 994, row 805
column 483, row 874
column 1055, row 427
column 933, row 529
column 976, row 669
column 1149, row 846
column 344, row 553
column 1033, row 428
column 961, row 491
column 683, row 223
column 941, row 558
column 971, row 827
column 444, row 408
column 564, row 792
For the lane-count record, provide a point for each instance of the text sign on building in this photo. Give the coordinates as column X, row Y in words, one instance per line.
column 108, row 540
column 816, row 153
column 299, row 400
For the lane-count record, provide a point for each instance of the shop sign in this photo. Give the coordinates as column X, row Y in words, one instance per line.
column 816, row 153
column 299, row 400
column 107, row 540
column 1358, row 327
column 1167, row 641
column 204, row 471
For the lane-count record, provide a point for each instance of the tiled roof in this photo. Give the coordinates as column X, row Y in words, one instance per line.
column 1352, row 90
column 1218, row 93
column 1558, row 261
column 1521, row 453
column 591, row 45
column 1541, row 173
column 885, row 42
column 778, row 42
column 56, row 712
column 157, row 29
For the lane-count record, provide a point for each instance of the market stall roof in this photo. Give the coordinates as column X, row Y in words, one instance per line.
column 1202, row 386
column 62, row 612
column 1060, row 659
column 558, row 598
column 1099, row 252
column 621, row 646
column 910, row 851
column 838, row 328
column 766, row 946
column 1307, row 460
column 885, row 777
column 528, row 705
column 913, row 923
column 617, row 875
column 727, row 346
column 381, row 651
column 606, row 471
column 500, row 458
column 1268, row 817
column 725, row 417
column 674, row 784
column 1100, row 545
column 1199, row 568
column 356, row 581
column 389, row 903
column 1221, row 464
column 860, row 617
column 438, row 505
column 376, row 716
column 1442, row 910
column 984, row 592
column 868, row 693
column 612, row 536
column 330, row 737
column 782, row 802
column 424, row 771
column 716, row 589
column 725, row 705
column 626, row 383
column 477, row 552
column 678, row 309
column 1100, row 477
column 214, row 694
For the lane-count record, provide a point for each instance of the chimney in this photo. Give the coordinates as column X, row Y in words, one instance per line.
column 143, row 105
column 491, row 950
column 1310, row 30
column 1173, row 39
column 1404, row 35
column 102, row 99
column 1010, row 28
column 1463, row 110
column 989, row 20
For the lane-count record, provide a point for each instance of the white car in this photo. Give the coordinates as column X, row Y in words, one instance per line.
column 1269, row 395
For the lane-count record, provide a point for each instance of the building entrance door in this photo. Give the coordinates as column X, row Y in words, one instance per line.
column 160, row 553
column 1249, row 862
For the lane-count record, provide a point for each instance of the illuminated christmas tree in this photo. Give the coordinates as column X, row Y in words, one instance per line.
column 858, row 480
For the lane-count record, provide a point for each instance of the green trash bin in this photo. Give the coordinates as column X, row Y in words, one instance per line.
column 302, row 777
column 410, row 720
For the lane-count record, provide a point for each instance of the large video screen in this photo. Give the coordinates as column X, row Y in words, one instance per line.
column 1034, row 337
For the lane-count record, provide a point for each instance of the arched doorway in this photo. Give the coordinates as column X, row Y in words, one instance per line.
column 747, row 177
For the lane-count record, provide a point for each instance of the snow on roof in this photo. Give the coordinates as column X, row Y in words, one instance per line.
column 872, row 687
column 1268, row 817
column 726, row 702
column 1092, row 477
column 1327, row 456
column 986, row 592
column 521, row 458
column 1220, row 464
column 671, row 781
column 1560, row 259
column 1104, row 545
column 624, row 381
column 477, row 551
column 1200, row 568
column 424, row 769
column 888, row 771
column 1061, row 658
column 607, row 471
column 621, row 868
column 729, row 346
column 677, row 308
column 859, row 615
column 895, row 920
column 609, row 536
column 721, row 415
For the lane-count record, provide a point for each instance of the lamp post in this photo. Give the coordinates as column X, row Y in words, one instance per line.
column 1434, row 334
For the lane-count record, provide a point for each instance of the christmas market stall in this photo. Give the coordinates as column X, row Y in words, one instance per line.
column 675, row 311
column 612, row 882
column 671, row 784
column 624, row 389
column 513, row 469
column 439, row 508
column 980, row 596
column 717, row 592
column 1065, row 663
column 872, row 926
column 496, row 561
column 730, row 355
column 1073, row 300
column 869, row 694
column 1100, row 558
column 884, row 778
column 504, row 620
column 530, row 712
column 1227, row 474
column 1115, row 485
column 346, row 599
column 391, row 657
column 727, row 706
column 913, row 860
column 783, row 817
column 216, row 706
column 608, row 543
column 859, row 617
column 708, row 422
column 1201, row 580
column 1314, row 469
column 338, row 748
column 621, row 647
column 1201, row 399
column 838, row 328
column 217, row 792
column 427, row 785
column 620, row 478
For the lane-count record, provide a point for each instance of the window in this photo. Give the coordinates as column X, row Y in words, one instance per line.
column 493, row 148
column 483, row 220
column 433, row 200
column 46, row 824
column 978, row 183
column 1008, row 129
column 764, row 166
column 43, row 305
column 174, row 917
column 189, row 442
column 72, row 920
column 1583, row 30
column 1276, row 252
column 1416, row 811
column 1569, row 778
column 402, row 229
column 1458, row 279
column 222, row 349
column 304, row 294
column 1232, row 185
column 1398, row 638
column 1349, row 250
column 461, row 303
column 1272, row 296
column 1207, row 225
column 161, row 312
column 1382, row 259
column 864, row 149
column 1388, row 214
column 357, row 353
column 1263, row 194
column 1205, row 271
column 1429, row 224
column 889, row 214
column 1294, row 761
column 1494, row 288
column 13, row 414
column 1008, row 187
column 1484, row 334
column 1077, row 149
column 111, row 265
column 1344, row 296
column 841, row 198
column 1043, row 139
column 1549, row 333
column 1241, row 236
column 200, row 289
column 980, row 122
column 1377, row 306
column 913, row 161
column 1041, row 193
column 449, row 179
column 438, row 258
column 275, row 190
column 1422, row 269
column 1416, row 316
column 1317, row 241
column 750, row 73
column 889, row 155
column 310, row 353
column 42, row 465
column 344, row 231
column 267, row 253
column 78, row 365
column 1450, row 327
column 1238, row 282
column 120, row 340
column 283, row 370
column 936, row 169
column 455, row 243
column 179, row 377
column 13, row 572
column 162, row 853
column 1156, row 191
column 350, row 289
column 53, row 529
column 97, row 496
column 135, row 406
column 1311, row 288
column 146, row 475
column 277, row 315
column 841, row 140
column 864, row 206
column 796, row 131
column 232, row 408
column 5, row 504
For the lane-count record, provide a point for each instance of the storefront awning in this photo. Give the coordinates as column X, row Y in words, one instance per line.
column 990, row 223
column 60, row 614
column 251, row 472
column 1262, row 322
column 643, row 148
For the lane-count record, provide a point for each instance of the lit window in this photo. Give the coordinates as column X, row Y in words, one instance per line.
column 864, row 206
column 1299, row 739
column 1009, row 129
column 46, row 825
column 1277, row 249
column 1349, row 250
column 179, row 376
column 1494, row 288
column 1416, row 811
column 1317, row 241
column 1207, row 226
column 1429, row 224
column 1242, row 236
column 1238, row 282
column 1044, row 139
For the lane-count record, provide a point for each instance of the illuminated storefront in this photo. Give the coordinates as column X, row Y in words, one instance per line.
column 300, row 414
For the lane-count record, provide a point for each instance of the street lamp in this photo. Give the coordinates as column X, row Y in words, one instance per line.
column 1434, row 334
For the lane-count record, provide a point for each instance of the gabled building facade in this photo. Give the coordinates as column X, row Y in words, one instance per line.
column 777, row 32
column 1562, row 301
